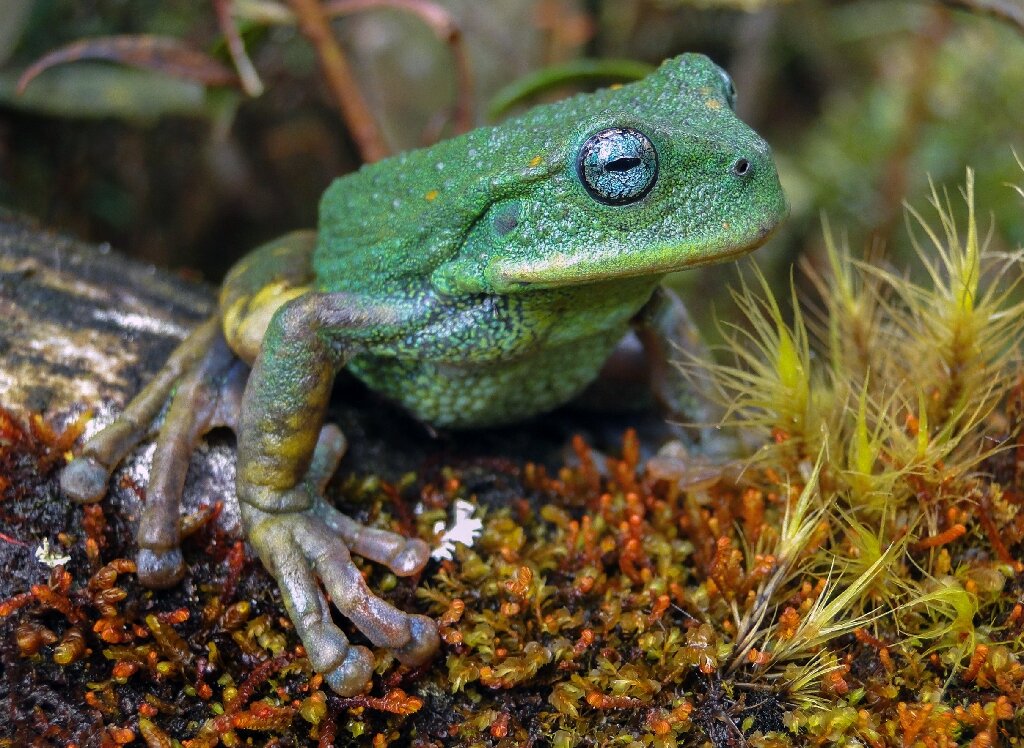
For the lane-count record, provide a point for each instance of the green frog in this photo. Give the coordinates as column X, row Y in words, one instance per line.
column 476, row 282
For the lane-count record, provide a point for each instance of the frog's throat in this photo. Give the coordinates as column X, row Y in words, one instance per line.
column 507, row 275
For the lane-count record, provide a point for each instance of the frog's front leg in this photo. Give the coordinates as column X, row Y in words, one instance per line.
column 669, row 339
column 283, row 459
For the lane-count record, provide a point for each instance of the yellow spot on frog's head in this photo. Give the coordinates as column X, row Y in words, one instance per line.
column 431, row 196
column 713, row 104
column 726, row 225
column 536, row 161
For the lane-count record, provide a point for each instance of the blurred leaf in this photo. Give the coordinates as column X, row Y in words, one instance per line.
column 15, row 15
column 95, row 90
column 568, row 73
column 747, row 5
column 159, row 53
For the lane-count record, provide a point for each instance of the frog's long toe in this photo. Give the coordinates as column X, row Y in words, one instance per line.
column 194, row 410
column 354, row 672
column 160, row 569
column 410, row 559
column 423, row 642
column 84, row 480
column 382, row 623
column 404, row 556
column 206, row 381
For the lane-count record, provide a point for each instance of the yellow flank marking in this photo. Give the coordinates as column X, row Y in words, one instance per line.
column 275, row 293
column 615, row 86
column 431, row 196
column 269, row 477
column 536, row 161
column 246, row 320
column 233, row 315
column 714, row 104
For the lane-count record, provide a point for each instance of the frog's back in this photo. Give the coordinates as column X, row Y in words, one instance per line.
column 398, row 220
column 389, row 223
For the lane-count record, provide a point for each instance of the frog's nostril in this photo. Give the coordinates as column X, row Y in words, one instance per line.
column 741, row 167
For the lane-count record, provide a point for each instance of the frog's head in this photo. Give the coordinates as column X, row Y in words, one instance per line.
column 641, row 180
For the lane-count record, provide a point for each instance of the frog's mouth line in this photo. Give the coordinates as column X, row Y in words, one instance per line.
column 561, row 270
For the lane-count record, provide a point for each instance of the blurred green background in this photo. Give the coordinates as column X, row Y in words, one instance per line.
column 863, row 102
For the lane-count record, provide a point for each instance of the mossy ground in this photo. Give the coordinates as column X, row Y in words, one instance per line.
column 856, row 581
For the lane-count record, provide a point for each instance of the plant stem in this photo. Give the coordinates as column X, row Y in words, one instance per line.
column 314, row 25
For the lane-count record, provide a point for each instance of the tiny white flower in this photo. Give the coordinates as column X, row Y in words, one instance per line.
column 48, row 555
column 464, row 529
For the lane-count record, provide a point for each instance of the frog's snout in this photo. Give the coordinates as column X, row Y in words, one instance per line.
column 750, row 158
column 752, row 170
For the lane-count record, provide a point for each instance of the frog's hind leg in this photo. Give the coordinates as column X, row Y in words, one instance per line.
column 206, row 397
column 204, row 381
column 85, row 478
column 668, row 334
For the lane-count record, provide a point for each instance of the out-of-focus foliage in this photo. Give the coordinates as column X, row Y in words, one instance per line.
column 931, row 91
column 748, row 5
column 98, row 91
column 16, row 14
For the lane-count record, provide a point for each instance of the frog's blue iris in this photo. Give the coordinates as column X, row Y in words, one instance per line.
column 618, row 166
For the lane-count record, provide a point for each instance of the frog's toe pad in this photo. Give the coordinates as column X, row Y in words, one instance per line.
column 411, row 559
column 84, row 480
column 423, row 642
column 354, row 672
column 159, row 569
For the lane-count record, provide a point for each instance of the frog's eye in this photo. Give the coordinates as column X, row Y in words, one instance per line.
column 618, row 165
column 730, row 89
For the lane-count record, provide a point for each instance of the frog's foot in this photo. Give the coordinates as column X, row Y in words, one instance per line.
column 301, row 547
column 207, row 381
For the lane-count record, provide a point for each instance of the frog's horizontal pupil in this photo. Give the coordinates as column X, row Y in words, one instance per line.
column 617, row 166
column 622, row 164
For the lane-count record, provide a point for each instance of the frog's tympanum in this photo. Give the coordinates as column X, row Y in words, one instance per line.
column 476, row 282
